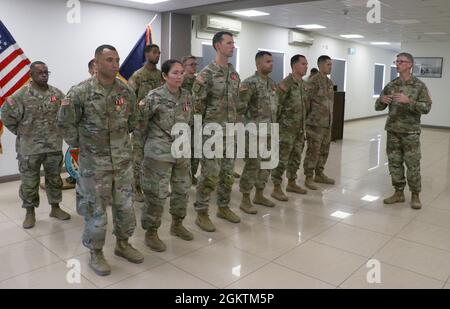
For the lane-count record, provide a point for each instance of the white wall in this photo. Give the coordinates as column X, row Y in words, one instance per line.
column 41, row 30
column 360, row 67
column 440, row 110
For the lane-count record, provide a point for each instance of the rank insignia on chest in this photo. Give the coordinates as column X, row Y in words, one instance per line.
column 53, row 99
column 234, row 76
column 186, row 106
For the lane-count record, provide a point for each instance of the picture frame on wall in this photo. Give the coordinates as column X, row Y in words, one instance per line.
column 428, row 67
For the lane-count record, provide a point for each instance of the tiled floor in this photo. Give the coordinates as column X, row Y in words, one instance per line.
column 335, row 237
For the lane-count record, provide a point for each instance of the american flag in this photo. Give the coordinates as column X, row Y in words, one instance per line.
column 14, row 67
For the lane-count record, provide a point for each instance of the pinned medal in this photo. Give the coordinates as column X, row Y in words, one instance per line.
column 53, row 99
column 186, row 106
column 234, row 76
column 119, row 103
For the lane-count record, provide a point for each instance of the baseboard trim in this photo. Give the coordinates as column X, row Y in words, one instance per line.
column 435, row 127
column 364, row 118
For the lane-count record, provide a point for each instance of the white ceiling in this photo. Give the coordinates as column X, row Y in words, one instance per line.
column 350, row 17
column 160, row 7
column 339, row 16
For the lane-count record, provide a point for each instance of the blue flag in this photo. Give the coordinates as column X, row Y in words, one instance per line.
column 136, row 58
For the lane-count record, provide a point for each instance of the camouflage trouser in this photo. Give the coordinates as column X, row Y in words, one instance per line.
column 138, row 156
column 291, row 149
column 253, row 175
column 318, row 142
column 215, row 173
column 30, row 167
column 156, row 178
column 95, row 191
column 404, row 148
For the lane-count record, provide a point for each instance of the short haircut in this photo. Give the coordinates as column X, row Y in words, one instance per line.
column 35, row 63
column 186, row 58
column 218, row 37
column 100, row 49
column 91, row 64
column 296, row 58
column 407, row 55
column 168, row 64
column 314, row 71
column 149, row 48
column 323, row 59
column 261, row 54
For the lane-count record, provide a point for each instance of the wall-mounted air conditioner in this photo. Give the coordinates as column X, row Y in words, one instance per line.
column 300, row 38
column 214, row 23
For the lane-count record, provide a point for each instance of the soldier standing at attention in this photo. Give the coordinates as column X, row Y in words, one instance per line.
column 407, row 98
column 190, row 68
column 292, row 109
column 258, row 105
column 318, row 125
column 31, row 115
column 142, row 81
column 216, row 98
column 97, row 116
column 163, row 108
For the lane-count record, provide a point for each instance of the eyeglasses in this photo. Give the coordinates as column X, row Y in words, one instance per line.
column 400, row 61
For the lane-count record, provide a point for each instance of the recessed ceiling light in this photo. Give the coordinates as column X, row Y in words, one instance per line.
column 251, row 13
column 435, row 33
column 380, row 43
column 149, row 1
column 312, row 26
column 352, row 36
column 406, row 21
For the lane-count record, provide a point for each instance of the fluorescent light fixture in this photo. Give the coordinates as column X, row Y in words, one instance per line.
column 310, row 27
column 352, row 36
column 380, row 43
column 435, row 33
column 149, row 1
column 406, row 21
column 251, row 13
column 340, row 214
column 370, row 198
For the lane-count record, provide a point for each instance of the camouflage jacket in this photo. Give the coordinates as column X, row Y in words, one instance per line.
column 160, row 112
column 294, row 103
column 405, row 118
column 144, row 80
column 322, row 99
column 216, row 94
column 99, row 121
column 32, row 116
column 188, row 83
column 258, row 99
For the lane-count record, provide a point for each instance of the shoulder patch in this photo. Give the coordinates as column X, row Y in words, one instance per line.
column 65, row 102
column 200, row 79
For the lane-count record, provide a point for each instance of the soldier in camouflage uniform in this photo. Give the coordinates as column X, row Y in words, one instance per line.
column 292, row 109
column 407, row 98
column 258, row 105
column 162, row 109
column 30, row 114
column 97, row 116
column 216, row 98
column 190, row 69
column 318, row 125
column 142, row 81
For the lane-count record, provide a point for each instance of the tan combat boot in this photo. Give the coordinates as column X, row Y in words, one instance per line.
column 246, row 204
column 153, row 242
column 397, row 197
column 293, row 187
column 30, row 218
column 125, row 250
column 278, row 194
column 322, row 178
column 98, row 263
column 415, row 201
column 227, row 214
column 177, row 229
column 204, row 222
column 309, row 183
column 58, row 213
column 260, row 199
